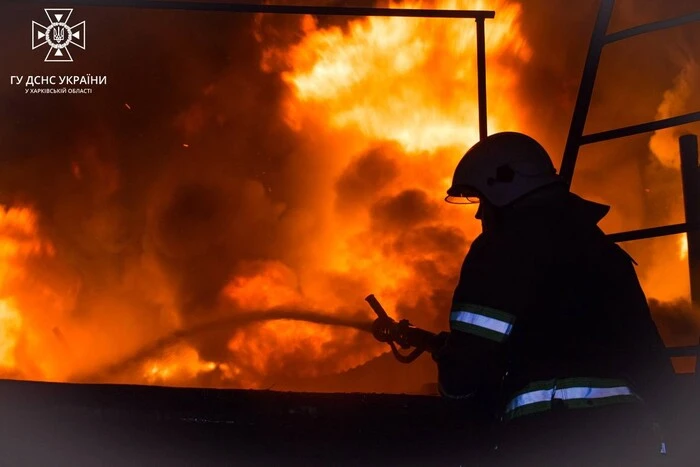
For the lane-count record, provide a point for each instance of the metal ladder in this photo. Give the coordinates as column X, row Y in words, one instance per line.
column 690, row 172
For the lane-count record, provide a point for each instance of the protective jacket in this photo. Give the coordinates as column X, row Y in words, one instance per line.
column 548, row 312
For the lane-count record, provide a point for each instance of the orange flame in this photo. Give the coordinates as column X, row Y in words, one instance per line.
column 18, row 242
column 406, row 84
column 274, row 286
column 180, row 366
column 10, row 327
column 408, row 80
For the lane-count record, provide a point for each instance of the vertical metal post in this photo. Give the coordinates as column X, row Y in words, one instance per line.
column 481, row 76
column 585, row 90
column 690, row 173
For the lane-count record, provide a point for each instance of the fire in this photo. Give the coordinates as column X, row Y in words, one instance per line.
column 18, row 242
column 408, row 85
column 408, row 80
column 10, row 327
column 18, row 230
column 281, row 348
column 275, row 285
column 181, row 365
column 401, row 92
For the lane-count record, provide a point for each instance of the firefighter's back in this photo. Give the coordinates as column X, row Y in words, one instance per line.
column 585, row 360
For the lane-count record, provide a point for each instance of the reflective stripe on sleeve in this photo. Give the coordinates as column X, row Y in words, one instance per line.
column 482, row 321
column 572, row 395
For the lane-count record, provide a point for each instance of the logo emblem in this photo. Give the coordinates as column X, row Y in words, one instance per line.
column 58, row 35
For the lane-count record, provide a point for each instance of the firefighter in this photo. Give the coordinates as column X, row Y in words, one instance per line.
column 549, row 327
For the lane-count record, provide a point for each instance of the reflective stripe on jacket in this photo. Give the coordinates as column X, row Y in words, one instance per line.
column 572, row 393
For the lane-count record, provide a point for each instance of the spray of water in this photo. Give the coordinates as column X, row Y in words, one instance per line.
column 231, row 322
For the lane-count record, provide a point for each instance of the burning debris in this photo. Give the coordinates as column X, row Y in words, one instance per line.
column 318, row 152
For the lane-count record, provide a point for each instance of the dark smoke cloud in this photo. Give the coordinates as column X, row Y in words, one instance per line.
column 406, row 210
column 187, row 56
column 432, row 238
column 366, row 176
column 205, row 228
column 407, row 227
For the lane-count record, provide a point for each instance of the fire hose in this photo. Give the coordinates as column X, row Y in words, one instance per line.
column 384, row 329
column 402, row 333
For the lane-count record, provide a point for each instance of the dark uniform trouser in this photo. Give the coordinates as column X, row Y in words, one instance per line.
column 615, row 435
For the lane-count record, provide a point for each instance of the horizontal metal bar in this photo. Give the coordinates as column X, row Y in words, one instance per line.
column 689, row 351
column 651, row 27
column 652, row 232
column 266, row 8
column 641, row 128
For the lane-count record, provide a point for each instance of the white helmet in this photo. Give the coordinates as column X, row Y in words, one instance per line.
column 501, row 168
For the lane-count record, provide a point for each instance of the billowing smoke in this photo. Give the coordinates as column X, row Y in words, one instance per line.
column 365, row 177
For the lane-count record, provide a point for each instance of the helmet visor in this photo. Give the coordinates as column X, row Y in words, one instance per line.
column 462, row 195
column 462, row 199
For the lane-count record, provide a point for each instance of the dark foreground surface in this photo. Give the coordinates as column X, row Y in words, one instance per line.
column 75, row 425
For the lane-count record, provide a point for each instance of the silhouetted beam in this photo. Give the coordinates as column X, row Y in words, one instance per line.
column 651, row 27
column 641, row 128
column 279, row 9
column 652, row 232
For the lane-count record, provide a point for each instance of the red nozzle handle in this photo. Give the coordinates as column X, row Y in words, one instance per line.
column 376, row 306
